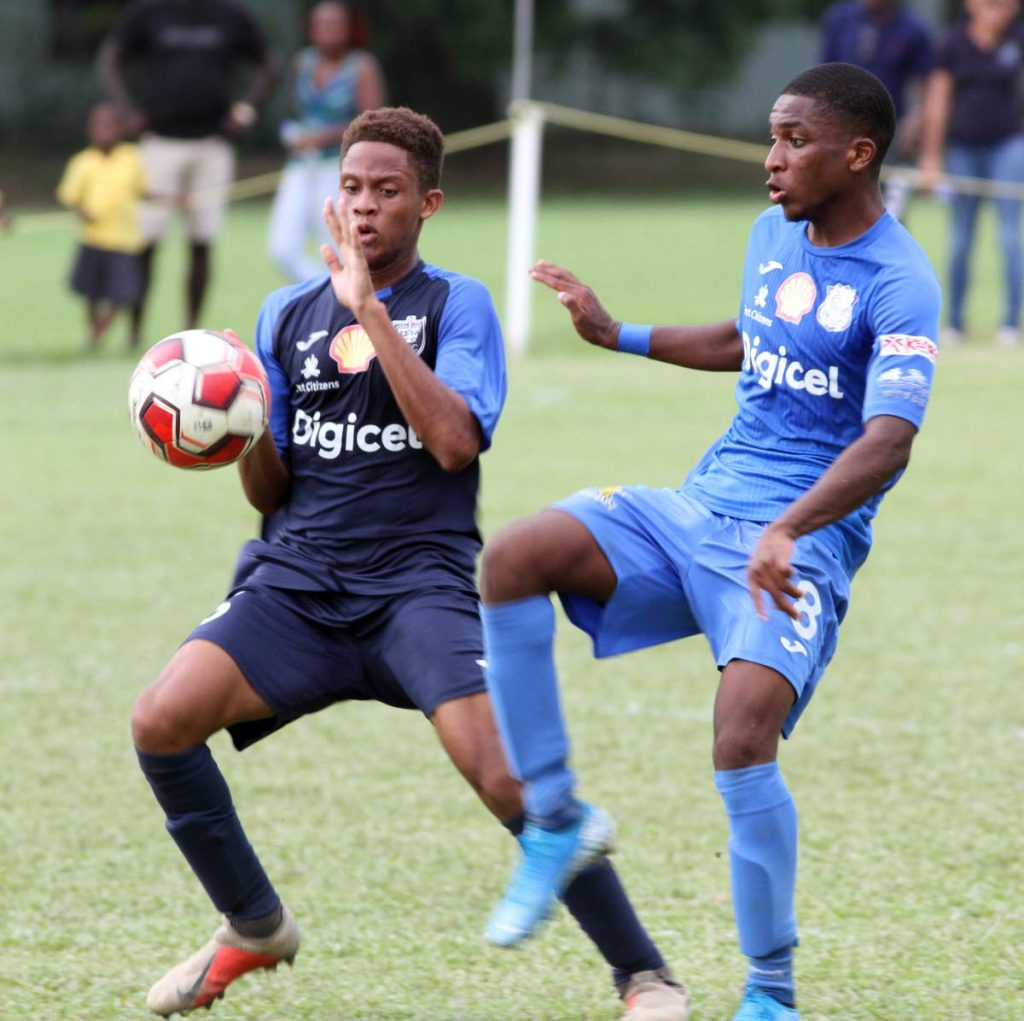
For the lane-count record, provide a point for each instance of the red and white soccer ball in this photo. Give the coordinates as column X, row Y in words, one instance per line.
column 199, row 399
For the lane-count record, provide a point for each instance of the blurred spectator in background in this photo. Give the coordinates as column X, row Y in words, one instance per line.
column 331, row 83
column 973, row 105
column 187, row 52
column 103, row 184
column 895, row 45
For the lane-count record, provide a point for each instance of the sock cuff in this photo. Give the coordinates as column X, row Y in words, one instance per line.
column 175, row 763
column 523, row 620
column 754, row 789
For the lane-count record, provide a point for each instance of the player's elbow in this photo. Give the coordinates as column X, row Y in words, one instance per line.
column 454, row 457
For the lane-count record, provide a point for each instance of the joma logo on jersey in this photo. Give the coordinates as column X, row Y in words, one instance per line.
column 773, row 368
column 331, row 438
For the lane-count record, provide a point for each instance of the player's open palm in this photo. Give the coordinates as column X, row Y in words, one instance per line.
column 589, row 317
column 350, row 275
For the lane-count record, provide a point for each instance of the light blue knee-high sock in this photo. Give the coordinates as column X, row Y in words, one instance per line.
column 519, row 640
column 762, row 852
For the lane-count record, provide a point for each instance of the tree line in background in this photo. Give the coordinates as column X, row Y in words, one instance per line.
column 452, row 58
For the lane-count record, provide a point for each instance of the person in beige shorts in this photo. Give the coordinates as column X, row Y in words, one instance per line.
column 187, row 52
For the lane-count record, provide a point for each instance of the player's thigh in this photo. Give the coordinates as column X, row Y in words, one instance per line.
column 213, row 170
column 200, row 691
column 798, row 650
column 426, row 649
column 551, row 551
column 647, row 536
column 296, row 664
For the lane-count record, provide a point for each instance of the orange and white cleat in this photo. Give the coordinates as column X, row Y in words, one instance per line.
column 201, row 979
column 655, row 996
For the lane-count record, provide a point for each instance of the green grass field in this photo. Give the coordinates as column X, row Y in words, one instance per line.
column 906, row 769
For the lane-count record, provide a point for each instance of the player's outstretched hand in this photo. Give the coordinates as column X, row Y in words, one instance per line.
column 770, row 570
column 350, row 276
column 589, row 317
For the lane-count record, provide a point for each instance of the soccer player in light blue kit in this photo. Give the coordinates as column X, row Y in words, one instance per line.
column 835, row 348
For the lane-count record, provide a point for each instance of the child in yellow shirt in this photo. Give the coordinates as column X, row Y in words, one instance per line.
column 103, row 184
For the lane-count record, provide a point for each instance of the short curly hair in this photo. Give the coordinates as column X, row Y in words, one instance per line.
column 405, row 129
column 853, row 96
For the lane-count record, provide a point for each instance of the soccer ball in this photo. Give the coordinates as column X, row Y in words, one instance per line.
column 199, row 399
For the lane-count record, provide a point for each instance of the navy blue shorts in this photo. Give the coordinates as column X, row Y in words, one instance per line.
column 413, row 651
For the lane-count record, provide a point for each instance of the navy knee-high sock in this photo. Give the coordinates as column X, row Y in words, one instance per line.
column 201, row 818
column 598, row 902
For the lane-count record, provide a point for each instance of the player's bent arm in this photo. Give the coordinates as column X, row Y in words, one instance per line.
column 716, row 347
column 440, row 416
column 265, row 477
column 859, row 472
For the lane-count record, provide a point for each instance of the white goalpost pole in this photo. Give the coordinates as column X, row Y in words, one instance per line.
column 524, row 185
column 524, row 200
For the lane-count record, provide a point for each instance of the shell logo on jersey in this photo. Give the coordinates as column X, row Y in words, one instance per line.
column 352, row 349
column 904, row 344
column 835, row 313
column 795, row 297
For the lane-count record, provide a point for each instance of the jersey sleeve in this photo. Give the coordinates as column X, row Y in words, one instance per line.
column 471, row 353
column 902, row 364
column 266, row 327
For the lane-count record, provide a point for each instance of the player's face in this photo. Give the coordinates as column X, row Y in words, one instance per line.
column 810, row 162
column 385, row 202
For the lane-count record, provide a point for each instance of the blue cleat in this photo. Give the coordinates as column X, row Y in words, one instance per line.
column 551, row 858
column 757, row 1005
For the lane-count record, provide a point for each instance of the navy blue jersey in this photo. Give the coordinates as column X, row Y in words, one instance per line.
column 370, row 510
column 832, row 337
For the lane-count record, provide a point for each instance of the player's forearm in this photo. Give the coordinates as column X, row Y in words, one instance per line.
column 716, row 347
column 265, row 478
column 859, row 472
column 439, row 416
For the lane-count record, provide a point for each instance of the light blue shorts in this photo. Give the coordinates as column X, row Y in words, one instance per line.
column 681, row 571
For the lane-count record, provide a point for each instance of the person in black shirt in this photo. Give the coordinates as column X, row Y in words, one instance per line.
column 187, row 52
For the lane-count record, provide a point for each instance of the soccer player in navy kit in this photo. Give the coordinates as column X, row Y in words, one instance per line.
column 835, row 346
column 388, row 378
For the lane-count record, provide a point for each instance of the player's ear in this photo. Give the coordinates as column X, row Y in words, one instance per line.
column 861, row 154
column 432, row 202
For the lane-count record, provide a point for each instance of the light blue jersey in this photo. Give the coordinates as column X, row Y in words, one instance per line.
column 832, row 337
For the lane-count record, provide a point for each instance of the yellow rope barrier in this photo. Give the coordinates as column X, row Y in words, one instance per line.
column 595, row 123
